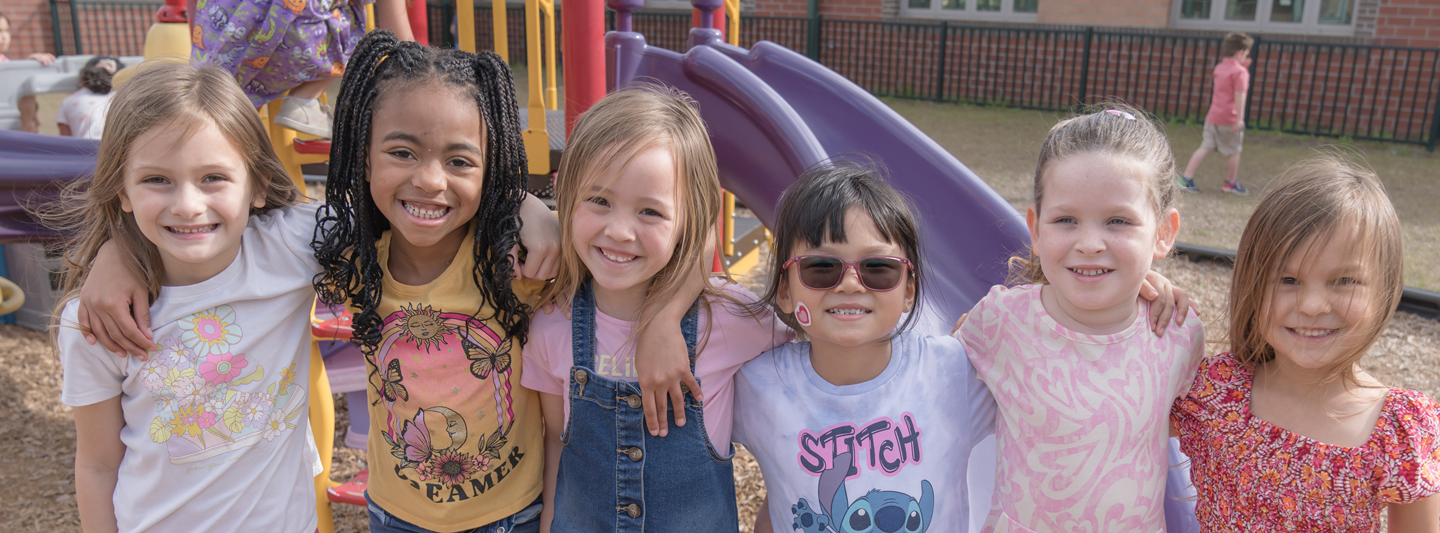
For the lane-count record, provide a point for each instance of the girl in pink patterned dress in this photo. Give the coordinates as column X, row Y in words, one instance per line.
column 1286, row 432
column 1083, row 387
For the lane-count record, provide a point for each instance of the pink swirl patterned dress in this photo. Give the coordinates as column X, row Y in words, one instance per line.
column 1254, row 476
column 1084, row 419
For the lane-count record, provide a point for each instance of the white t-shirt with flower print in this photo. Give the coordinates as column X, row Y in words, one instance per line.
column 216, row 430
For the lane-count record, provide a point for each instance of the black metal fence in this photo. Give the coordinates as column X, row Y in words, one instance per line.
column 114, row 28
column 1345, row 90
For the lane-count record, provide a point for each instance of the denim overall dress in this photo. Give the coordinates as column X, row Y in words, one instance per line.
column 615, row 476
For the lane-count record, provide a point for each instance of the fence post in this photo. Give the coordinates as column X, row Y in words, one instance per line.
column 55, row 28
column 1434, row 126
column 75, row 26
column 1250, row 88
column 812, row 37
column 940, row 69
column 1085, row 64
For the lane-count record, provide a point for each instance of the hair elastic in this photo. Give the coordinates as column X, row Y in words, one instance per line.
column 1120, row 113
column 802, row 314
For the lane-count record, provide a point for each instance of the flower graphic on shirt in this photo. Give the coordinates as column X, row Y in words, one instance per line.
column 153, row 373
column 210, row 331
column 192, row 420
column 424, row 326
column 253, row 408
column 287, row 377
column 450, row 467
column 274, row 425
column 222, row 367
column 192, row 390
column 170, row 353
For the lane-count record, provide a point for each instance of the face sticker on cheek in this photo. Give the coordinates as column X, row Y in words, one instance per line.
column 802, row 314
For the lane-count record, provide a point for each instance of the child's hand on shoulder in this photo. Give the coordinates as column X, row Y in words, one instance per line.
column 540, row 235
column 108, row 297
column 1167, row 300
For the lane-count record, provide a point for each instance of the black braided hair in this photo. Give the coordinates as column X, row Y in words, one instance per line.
column 349, row 223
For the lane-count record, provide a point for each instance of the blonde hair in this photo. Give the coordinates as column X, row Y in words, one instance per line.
column 1112, row 128
column 1315, row 200
column 615, row 130
column 169, row 95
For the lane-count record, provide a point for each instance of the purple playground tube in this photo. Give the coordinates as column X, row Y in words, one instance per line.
column 33, row 170
column 773, row 113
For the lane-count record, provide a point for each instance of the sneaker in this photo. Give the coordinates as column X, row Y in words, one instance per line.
column 313, row 118
column 1188, row 185
column 1235, row 187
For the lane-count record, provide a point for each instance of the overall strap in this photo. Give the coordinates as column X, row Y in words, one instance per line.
column 582, row 327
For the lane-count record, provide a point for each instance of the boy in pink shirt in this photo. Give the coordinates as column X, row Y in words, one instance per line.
column 1224, row 124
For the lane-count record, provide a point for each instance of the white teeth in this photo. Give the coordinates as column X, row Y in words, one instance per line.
column 848, row 311
column 1090, row 272
column 202, row 229
column 1311, row 332
column 616, row 258
column 425, row 213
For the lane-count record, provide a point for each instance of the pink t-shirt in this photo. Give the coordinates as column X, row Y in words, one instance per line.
column 1083, row 420
column 1230, row 77
column 735, row 338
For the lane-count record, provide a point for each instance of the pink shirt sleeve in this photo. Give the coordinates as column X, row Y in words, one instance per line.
column 545, row 369
column 979, row 332
column 1413, row 473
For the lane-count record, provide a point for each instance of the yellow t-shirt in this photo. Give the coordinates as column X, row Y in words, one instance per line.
column 455, row 442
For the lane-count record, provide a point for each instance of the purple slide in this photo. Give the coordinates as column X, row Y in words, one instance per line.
column 773, row 113
column 33, row 169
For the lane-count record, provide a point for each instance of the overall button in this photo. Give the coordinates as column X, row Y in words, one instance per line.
column 635, row 454
column 581, row 377
column 633, row 401
column 633, row 510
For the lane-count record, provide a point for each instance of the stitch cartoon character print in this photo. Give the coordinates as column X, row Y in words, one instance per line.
column 431, row 367
column 876, row 511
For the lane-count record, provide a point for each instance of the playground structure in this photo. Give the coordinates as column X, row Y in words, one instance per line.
column 772, row 113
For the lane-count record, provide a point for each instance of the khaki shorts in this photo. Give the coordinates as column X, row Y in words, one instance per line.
column 1221, row 139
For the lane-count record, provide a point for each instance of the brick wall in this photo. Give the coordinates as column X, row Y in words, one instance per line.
column 29, row 26
column 1408, row 23
column 1135, row 13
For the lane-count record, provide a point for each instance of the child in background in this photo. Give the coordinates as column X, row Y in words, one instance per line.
column 638, row 196
column 1083, row 390
column 1287, row 432
column 183, row 440
column 274, row 46
column 82, row 114
column 862, row 425
column 1225, row 123
column 44, row 58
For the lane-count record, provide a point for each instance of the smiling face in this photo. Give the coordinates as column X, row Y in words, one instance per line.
column 1096, row 235
column 1322, row 302
column 4, row 34
column 427, row 164
column 849, row 314
column 190, row 194
column 624, row 225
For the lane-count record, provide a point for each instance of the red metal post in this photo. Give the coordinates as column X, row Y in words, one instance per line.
column 584, row 48
column 419, row 23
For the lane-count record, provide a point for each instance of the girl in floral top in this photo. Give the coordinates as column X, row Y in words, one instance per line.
column 1286, row 432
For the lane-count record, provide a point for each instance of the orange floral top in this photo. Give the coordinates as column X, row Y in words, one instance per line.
column 1254, row 476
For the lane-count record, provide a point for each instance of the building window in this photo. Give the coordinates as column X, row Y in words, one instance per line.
column 1310, row 17
column 1003, row 10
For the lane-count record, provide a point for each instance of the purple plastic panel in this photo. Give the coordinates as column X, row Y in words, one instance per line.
column 33, row 170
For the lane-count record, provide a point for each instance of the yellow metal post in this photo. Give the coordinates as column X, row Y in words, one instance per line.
column 369, row 17
column 465, row 16
column 548, row 7
column 502, row 30
column 732, row 21
column 537, row 140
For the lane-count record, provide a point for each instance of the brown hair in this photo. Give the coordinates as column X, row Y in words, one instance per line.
column 170, row 95
column 615, row 130
column 1236, row 42
column 1111, row 128
column 1316, row 200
